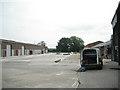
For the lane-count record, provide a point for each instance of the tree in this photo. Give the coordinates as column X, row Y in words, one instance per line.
column 52, row 50
column 76, row 44
column 73, row 44
column 42, row 43
column 63, row 44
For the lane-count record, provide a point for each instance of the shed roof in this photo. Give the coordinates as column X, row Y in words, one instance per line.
column 103, row 44
column 93, row 44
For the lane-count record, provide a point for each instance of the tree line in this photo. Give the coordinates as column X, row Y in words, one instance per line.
column 72, row 44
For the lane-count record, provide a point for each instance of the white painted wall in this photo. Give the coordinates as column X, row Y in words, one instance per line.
column 43, row 51
column 33, row 52
column 40, row 51
column 8, row 50
column 37, row 51
column 13, row 52
column 46, row 51
column 19, row 52
column 27, row 52
column 23, row 49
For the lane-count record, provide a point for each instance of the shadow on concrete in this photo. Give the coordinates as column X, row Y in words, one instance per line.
column 115, row 68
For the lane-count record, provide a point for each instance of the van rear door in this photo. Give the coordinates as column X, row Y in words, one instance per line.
column 89, row 56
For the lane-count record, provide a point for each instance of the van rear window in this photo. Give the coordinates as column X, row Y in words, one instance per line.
column 90, row 52
column 90, row 56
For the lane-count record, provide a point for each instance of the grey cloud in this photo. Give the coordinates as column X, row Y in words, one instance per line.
column 81, row 27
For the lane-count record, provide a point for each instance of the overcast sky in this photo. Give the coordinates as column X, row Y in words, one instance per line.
column 32, row 21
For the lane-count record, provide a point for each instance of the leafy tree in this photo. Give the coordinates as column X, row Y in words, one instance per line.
column 64, row 44
column 42, row 43
column 51, row 50
column 74, row 44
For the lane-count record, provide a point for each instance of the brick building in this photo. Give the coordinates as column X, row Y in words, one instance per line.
column 13, row 48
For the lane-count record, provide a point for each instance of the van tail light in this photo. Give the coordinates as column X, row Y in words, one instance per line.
column 85, row 61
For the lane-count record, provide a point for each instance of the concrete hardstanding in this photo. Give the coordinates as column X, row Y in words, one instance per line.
column 41, row 71
column 105, row 78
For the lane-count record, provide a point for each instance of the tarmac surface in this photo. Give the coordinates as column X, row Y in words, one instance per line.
column 105, row 78
column 40, row 71
column 56, row 71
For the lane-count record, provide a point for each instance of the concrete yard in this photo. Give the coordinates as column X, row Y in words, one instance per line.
column 40, row 71
column 105, row 78
column 55, row 71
